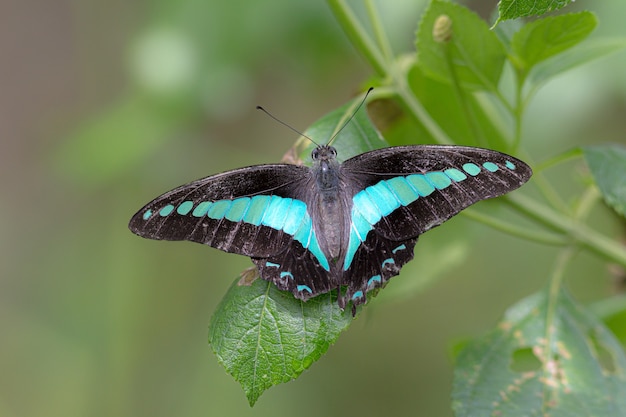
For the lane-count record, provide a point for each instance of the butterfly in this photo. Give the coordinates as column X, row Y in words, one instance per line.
column 348, row 226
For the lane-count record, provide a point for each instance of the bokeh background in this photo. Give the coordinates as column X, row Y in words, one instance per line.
column 106, row 104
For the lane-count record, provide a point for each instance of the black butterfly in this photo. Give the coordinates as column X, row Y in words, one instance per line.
column 348, row 226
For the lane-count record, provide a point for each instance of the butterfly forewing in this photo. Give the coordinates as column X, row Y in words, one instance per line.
column 428, row 184
column 228, row 211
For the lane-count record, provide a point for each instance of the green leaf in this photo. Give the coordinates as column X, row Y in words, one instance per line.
column 582, row 54
column 569, row 366
column 608, row 167
column 545, row 38
column 454, row 43
column 512, row 9
column 264, row 336
column 475, row 124
column 612, row 311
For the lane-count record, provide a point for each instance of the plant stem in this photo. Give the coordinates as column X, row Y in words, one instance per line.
column 379, row 33
column 507, row 227
column 386, row 69
column 358, row 36
column 550, row 353
column 580, row 233
column 517, row 114
column 419, row 113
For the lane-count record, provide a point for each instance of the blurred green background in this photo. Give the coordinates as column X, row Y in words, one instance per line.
column 106, row 104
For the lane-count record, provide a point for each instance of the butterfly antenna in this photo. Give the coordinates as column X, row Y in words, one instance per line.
column 285, row 124
column 351, row 117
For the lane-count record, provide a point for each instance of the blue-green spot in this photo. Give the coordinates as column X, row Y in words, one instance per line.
column 373, row 280
column 256, row 210
column 276, row 212
column 364, row 204
column 455, row 174
column 315, row 249
column 219, row 209
column 423, row 187
column 184, row 208
column 490, row 166
column 201, row 209
column 272, row 264
column 383, row 198
column 304, row 288
column 166, row 211
column 360, row 225
column 471, row 169
column 403, row 191
column 286, row 274
column 147, row 214
column 296, row 214
column 304, row 232
column 510, row 165
column 438, row 179
column 357, row 294
column 353, row 244
column 401, row 247
column 388, row 261
column 238, row 209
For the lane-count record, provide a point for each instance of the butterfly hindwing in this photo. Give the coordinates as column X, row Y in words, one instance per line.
column 296, row 270
column 375, row 262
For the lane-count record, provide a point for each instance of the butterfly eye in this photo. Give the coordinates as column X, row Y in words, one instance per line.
column 333, row 152
column 315, row 154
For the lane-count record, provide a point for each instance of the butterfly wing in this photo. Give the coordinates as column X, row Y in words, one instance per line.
column 228, row 211
column 401, row 192
column 259, row 211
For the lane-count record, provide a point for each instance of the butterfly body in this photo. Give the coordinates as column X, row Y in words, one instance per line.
column 349, row 226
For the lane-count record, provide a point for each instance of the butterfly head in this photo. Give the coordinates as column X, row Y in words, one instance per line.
column 323, row 153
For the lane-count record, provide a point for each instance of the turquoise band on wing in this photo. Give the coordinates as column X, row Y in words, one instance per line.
column 381, row 199
column 286, row 214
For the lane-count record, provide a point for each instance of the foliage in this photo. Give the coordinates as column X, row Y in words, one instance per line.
column 452, row 89
column 549, row 356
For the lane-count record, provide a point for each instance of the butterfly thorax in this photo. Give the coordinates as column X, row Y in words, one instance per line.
column 329, row 213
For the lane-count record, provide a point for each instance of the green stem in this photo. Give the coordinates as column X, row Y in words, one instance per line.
column 419, row 113
column 506, row 227
column 517, row 114
column 585, row 203
column 379, row 33
column 580, row 233
column 413, row 108
column 554, row 290
column 358, row 36
column 549, row 193
column 546, row 189
column 573, row 153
